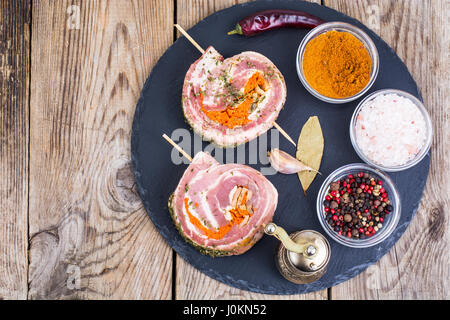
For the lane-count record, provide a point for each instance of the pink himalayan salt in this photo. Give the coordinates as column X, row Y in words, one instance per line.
column 390, row 130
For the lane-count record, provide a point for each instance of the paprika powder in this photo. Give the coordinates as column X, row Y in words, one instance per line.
column 336, row 64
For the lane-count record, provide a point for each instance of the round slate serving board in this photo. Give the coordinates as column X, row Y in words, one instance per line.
column 159, row 111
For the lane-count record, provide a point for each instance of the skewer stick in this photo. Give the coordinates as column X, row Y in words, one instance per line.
column 189, row 38
column 177, row 147
column 284, row 133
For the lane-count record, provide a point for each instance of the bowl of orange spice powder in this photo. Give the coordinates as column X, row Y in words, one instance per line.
column 337, row 62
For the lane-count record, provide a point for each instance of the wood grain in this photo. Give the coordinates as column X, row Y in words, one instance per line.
column 68, row 92
column 418, row 265
column 90, row 237
column 14, row 132
column 191, row 283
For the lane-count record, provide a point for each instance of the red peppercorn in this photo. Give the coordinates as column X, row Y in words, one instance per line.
column 340, row 232
column 342, row 192
column 367, row 210
column 361, row 230
column 369, row 191
column 333, row 211
column 381, row 220
column 350, row 176
column 360, row 174
column 362, row 186
column 370, row 229
column 344, row 184
column 349, row 234
column 349, row 190
column 328, row 198
column 371, row 188
column 327, row 209
column 382, row 190
column 335, row 218
column 384, row 195
column 380, row 182
column 333, row 193
column 338, row 200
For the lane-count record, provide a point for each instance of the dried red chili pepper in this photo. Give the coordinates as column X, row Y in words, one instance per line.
column 274, row 19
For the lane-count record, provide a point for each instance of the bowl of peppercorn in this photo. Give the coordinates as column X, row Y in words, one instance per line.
column 358, row 206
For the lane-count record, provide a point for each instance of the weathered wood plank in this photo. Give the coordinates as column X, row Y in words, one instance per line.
column 14, row 135
column 417, row 267
column 90, row 237
column 191, row 283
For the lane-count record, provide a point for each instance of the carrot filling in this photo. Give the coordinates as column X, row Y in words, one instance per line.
column 238, row 215
column 237, row 115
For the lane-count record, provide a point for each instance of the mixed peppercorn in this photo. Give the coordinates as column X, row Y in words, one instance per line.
column 356, row 205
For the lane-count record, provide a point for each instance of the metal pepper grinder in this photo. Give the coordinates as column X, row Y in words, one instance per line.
column 302, row 257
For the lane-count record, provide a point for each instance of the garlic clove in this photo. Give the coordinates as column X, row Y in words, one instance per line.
column 285, row 163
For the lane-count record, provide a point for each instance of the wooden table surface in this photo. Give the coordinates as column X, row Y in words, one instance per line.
column 72, row 225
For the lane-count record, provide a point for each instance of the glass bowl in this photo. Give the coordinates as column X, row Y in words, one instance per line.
column 360, row 35
column 390, row 220
column 420, row 155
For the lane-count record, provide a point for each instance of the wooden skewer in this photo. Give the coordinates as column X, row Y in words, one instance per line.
column 276, row 125
column 177, row 147
column 284, row 133
column 189, row 38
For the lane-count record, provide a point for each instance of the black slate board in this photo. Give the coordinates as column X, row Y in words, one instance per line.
column 159, row 111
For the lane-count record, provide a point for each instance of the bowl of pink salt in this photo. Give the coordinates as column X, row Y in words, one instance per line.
column 391, row 130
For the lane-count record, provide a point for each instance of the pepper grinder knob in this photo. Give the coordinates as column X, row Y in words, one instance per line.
column 311, row 250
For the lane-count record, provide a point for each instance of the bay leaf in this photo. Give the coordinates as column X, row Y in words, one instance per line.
column 310, row 150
